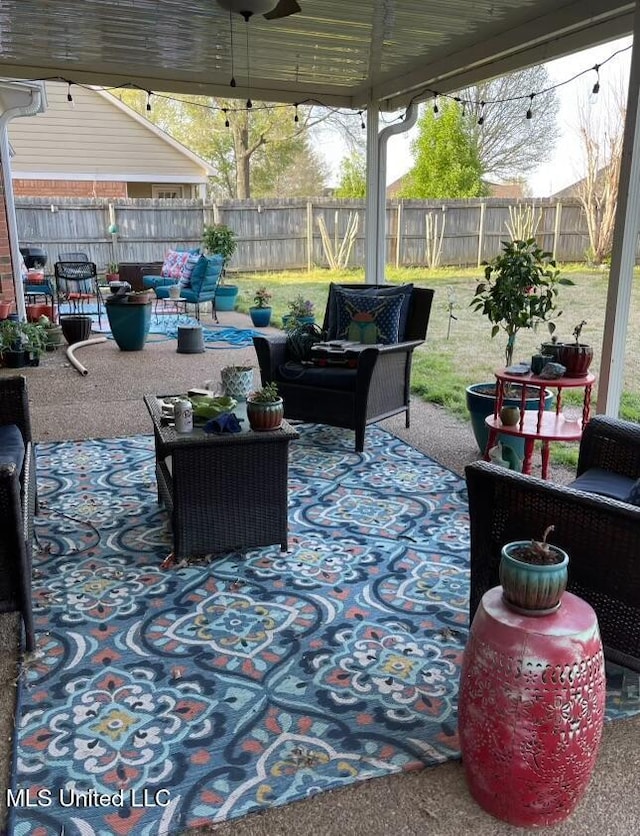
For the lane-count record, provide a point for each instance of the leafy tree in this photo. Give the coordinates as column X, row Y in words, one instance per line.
column 508, row 144
column 446, row 159
column 353, row 176
column 249, row 151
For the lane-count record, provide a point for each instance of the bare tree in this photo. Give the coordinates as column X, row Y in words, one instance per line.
column 601, row 133
column 508, row 143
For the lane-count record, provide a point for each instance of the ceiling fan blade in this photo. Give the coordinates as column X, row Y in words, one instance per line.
column 283, row 9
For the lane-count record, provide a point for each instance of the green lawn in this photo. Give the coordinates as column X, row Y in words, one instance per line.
column 449, row 362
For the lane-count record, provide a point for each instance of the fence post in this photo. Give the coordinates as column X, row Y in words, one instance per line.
column 556, row 229
column 483, row 206
column 114, row 235
column 309, row 235
column 399, row 233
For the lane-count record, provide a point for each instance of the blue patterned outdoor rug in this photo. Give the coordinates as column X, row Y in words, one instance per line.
column 163, row 700
column 165, row 327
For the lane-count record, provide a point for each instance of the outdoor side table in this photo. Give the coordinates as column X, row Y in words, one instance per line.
column 543, row 426
column 222, row 492
column 531, row 709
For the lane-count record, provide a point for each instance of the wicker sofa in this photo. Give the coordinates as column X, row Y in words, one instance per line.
column 17, row 502
column 601, row 534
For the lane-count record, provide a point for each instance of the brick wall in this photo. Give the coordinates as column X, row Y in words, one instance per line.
column 6, row 273
column 69, row 188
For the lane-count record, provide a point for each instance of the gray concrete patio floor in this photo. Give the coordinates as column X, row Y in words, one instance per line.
column 108, row 403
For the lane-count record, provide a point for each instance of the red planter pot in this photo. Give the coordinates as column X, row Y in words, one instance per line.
column 265, row 416
column 5, row 309
column 576, row 358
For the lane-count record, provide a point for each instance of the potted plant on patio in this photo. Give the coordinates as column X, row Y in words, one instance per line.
column 301, row 312
column 519, row 290
column 533, row 574
column 576, row 357
column 219, row 239
column 265, row 408
column 260, row 313
column 112, row 274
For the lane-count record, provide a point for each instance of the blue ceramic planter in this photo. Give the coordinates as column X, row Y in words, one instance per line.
column 530, row 588
column 226, row 295
column 129, row 324
column 260, row 317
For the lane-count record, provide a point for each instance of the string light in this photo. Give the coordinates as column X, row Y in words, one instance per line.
column 464, row 103
column 529, row 110
column 436, row 110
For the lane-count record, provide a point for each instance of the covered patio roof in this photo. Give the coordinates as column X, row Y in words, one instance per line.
column 371, row 54
column 342, row 54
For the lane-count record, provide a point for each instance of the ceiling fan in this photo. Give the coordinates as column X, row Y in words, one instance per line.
column 270, row 9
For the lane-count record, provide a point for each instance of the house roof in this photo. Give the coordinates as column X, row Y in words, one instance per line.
column 98, row 137
column 343, row 54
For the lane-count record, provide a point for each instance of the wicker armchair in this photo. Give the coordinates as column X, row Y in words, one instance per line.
column 378, row 388
column 600, row 534
column 17, row 508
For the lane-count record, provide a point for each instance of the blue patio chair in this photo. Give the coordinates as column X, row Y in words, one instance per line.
column 202, row 286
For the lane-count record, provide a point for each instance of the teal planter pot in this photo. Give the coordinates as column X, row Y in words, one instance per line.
column 129, row 324
column 531, row 588
column 260, row 317
column 226, row 296
column 481, row 404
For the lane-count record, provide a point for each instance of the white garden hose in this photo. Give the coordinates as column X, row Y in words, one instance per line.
column 72, row 348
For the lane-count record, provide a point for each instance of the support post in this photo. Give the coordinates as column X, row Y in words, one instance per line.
column 623, row 253
column 483, row 207
column 556, row 230
column 309, row 236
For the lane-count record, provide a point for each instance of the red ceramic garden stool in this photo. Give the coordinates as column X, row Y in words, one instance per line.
column 531, row 709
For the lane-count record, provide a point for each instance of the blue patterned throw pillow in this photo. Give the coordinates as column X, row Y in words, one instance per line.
column 368, row 319
column 634, row 494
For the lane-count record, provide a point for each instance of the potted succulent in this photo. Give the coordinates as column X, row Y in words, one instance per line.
column 112, row 272
column 576, row 357
column 533, row 574
column 219, row 239
column 260, row 313
column 301, row 312
column 53, row 335
column 265, row 408
column 519, row 290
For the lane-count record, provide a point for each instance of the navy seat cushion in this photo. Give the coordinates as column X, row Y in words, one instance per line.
column 604, row 482
column 11, row 446
column 634, row 493
column 403, row 290
column 320, row 377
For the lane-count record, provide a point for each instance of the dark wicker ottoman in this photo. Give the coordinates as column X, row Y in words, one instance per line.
column 222, row 492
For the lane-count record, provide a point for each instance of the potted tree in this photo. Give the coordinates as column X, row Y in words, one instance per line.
column 260, row 313
column 533, row 574
column 12, row 344
column 218, row 239
column 265, row 408
column 519, row 290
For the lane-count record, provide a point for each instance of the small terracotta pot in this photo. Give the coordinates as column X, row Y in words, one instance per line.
column 265, row 416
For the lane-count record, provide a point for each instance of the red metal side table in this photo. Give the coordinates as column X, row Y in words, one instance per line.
column 544, row 426
column 531, row 709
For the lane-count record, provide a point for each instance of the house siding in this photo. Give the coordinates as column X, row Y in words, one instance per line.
column 93, row 139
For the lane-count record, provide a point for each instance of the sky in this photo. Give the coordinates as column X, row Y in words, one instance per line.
column 566, row 165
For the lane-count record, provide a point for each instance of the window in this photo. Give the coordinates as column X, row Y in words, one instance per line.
column 167, row 192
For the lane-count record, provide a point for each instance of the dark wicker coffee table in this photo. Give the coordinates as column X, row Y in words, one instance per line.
column 222, row 492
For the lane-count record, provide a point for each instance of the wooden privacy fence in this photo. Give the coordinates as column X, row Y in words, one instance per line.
column 287, row 234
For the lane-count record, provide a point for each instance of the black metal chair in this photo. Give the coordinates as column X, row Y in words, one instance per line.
column 601, row 534
column 376, row 387
column 77, row 283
